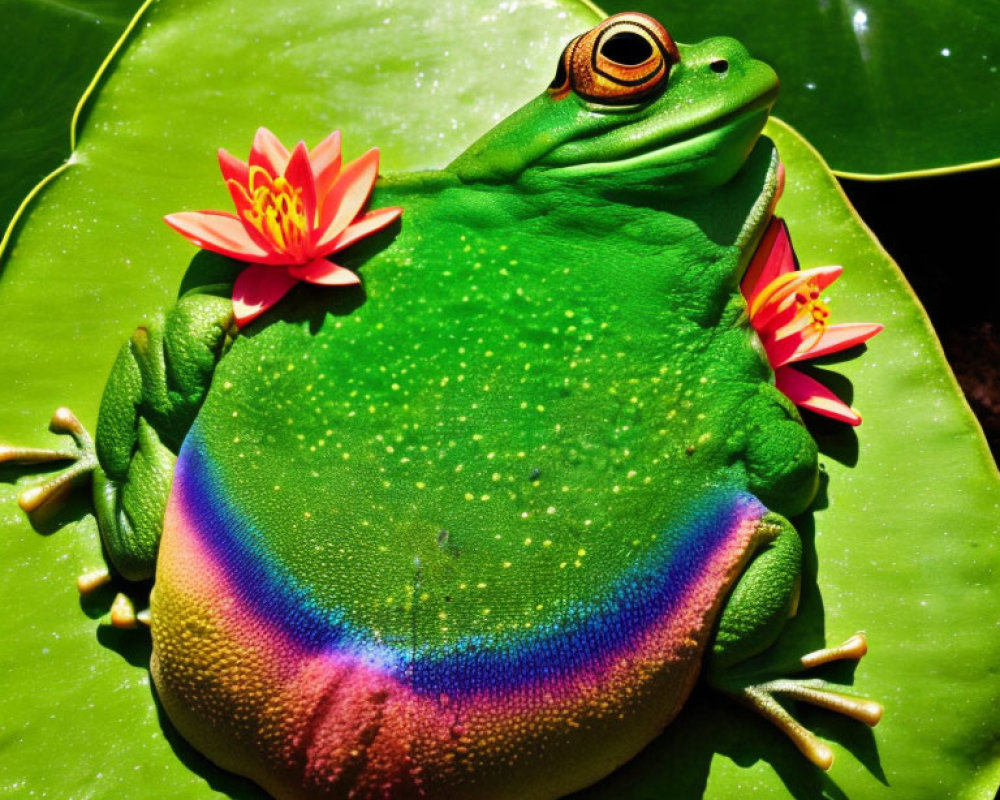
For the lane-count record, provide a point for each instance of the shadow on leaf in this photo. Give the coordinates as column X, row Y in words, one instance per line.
column 227, row 783
column 71, row 505
column 132, row 644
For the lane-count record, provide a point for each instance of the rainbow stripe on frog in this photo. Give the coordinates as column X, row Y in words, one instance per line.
column 268, row 683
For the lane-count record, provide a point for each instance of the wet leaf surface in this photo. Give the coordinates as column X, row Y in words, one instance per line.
column 901, row 545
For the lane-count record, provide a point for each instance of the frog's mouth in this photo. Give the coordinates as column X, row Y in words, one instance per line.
column 716, row 150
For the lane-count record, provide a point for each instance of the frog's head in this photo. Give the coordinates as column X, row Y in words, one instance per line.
column 631, row 107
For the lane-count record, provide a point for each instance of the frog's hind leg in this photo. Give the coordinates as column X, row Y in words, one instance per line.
column 755, row 613
column 83, row 456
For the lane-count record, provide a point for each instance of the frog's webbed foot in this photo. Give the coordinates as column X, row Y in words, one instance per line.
column 83, row 456
column 761, row 698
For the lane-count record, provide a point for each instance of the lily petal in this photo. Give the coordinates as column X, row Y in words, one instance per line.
column 258, row 288
column 840, row 337
column 233, row 169
column 220, row 232
column 346, row 197
column 324, row 273
column 773, row 257
column 326, row 162
column 368, row 224
column 268, row 152
column 781, row 350
column 299, row 174
column 809, row 393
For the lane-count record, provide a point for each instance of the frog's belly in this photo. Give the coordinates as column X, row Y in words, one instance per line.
column 296, row 697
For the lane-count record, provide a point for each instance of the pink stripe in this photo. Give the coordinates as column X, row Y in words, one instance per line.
column 261, row 705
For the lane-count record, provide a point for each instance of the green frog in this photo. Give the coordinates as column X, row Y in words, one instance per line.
column 468, row 513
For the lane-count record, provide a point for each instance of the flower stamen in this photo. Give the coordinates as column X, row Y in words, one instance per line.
column 276, row 211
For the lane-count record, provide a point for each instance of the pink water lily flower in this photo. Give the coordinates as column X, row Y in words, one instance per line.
column 293, row 210
column 793, row 322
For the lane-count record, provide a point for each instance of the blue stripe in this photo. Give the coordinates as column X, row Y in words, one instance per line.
column 645, row 594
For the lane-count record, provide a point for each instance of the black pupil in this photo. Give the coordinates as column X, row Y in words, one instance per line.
column 627, row 48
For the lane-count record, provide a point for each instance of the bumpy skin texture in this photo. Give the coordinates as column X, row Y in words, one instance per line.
column 466, row 530
column 156, row 387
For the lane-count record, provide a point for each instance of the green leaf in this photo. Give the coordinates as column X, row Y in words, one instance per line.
column 903, row 549
column 880, row 87
column 41, row 82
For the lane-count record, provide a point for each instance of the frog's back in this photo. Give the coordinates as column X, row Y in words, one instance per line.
column 468, row 532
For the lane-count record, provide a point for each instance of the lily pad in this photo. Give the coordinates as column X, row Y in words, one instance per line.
column 878, row 86
column 42, row 82
column 903, row 547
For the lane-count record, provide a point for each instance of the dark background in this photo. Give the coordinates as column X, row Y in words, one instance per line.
column 944, row 232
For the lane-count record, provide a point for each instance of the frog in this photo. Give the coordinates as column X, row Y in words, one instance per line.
column 475, row 524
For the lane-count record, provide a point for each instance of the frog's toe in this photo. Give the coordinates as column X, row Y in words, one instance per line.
column 762, row 698
column 90, row 582
column 124, row 615
column 83, row 456
column 853, row 649
column 123, row 612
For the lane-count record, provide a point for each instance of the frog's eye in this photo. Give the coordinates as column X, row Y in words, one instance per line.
column 622, row 61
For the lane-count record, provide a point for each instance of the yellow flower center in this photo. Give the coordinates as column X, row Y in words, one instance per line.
column 277, row 211
column 810, row 312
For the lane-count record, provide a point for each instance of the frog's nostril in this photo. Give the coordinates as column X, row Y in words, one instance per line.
column 720, row 65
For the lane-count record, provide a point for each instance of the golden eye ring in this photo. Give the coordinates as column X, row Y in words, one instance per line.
column 623, row 61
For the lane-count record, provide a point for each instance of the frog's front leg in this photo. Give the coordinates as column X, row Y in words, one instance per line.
column 779, row 454
column 156, row 386
column 755, row 613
